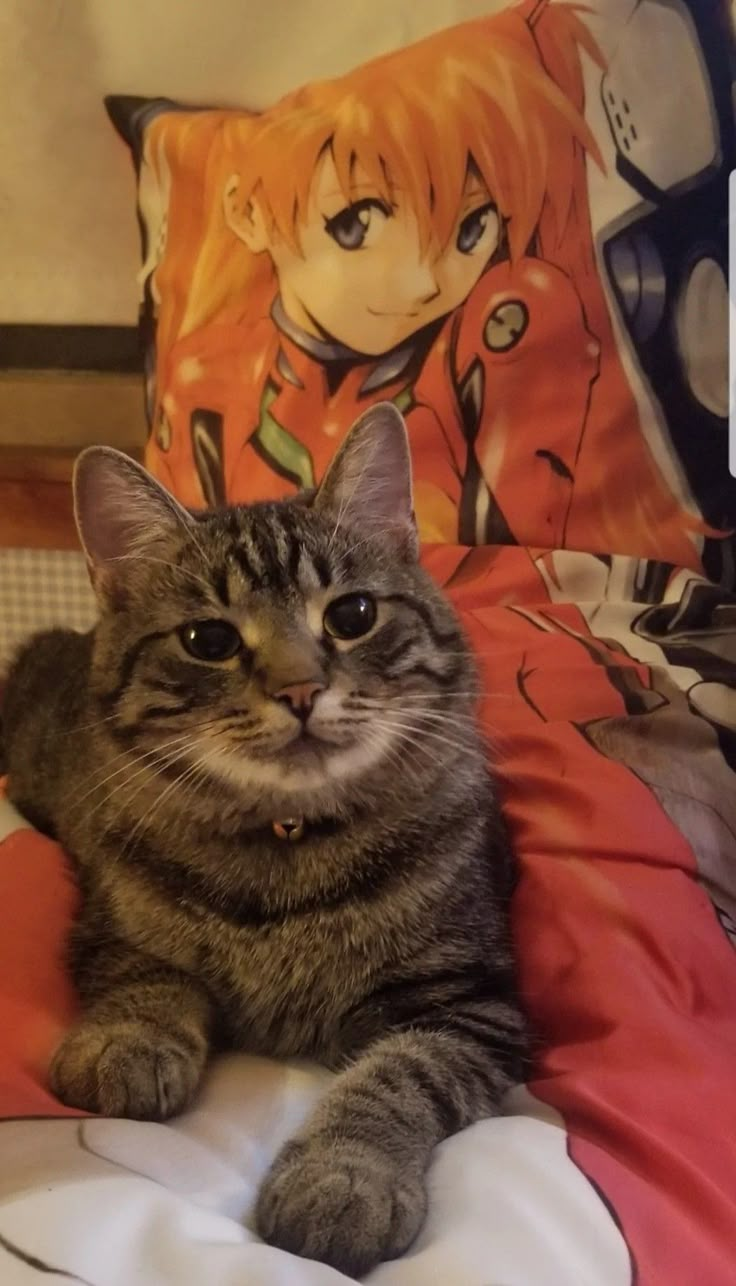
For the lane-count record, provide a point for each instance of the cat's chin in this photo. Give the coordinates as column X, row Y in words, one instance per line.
column 305, row 765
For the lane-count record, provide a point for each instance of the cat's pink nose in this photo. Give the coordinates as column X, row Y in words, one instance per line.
column 300, row 697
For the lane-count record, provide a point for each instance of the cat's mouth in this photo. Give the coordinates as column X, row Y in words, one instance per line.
column 306, row 744
column 305, row 738
column 312, row 741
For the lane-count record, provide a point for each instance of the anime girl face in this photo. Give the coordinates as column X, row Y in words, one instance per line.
column 361, row 274
column 373, row 203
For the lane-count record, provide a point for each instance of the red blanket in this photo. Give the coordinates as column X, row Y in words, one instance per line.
column 611, row 723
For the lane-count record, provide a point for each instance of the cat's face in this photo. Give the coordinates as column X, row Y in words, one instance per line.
column 293, row 648
column 287, row 658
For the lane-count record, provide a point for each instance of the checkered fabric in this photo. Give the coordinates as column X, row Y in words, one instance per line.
column 40, row 588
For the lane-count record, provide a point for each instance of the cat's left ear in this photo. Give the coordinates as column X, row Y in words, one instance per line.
column 368, row 485
column 120, row 511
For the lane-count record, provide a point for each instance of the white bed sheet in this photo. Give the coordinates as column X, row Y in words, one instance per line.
column 122, row 1203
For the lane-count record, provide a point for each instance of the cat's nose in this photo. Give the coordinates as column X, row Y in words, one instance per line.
column 300, row 697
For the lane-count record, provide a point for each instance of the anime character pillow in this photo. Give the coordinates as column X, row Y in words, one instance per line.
column 515, row 230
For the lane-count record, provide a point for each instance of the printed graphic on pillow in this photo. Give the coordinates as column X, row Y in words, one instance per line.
column 497, row 228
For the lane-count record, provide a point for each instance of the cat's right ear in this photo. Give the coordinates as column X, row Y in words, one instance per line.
column 120, row 511
column 368, row 484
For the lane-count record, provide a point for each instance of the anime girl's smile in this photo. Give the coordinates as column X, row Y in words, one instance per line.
column 360, row 273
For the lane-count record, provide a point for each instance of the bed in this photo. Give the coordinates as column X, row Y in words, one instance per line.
column 591, row 558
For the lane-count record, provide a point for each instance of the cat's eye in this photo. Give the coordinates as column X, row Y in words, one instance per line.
column 351, row 616
column 210, row 640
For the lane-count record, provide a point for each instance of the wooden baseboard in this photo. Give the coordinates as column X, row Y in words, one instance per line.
column 71, row 347
column 46, row 419
column 71, row 410
column 36, row 515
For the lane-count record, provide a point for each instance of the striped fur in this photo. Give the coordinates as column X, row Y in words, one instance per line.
column 379, row 944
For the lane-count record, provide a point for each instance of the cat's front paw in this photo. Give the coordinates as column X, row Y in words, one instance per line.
column 341, row 1201
column 125, row 1069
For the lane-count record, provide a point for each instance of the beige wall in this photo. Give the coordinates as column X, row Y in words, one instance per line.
column 68, row 236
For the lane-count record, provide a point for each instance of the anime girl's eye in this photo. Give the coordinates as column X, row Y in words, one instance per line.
column 478, row 230
column 358, row 224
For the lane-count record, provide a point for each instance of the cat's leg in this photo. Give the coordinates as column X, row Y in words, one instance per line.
column 141, row 1044
column 350, row 1188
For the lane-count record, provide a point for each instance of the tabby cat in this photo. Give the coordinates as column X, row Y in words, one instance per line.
column 266, row 765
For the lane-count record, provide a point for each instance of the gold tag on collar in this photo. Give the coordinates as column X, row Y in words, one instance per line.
column 291, row 829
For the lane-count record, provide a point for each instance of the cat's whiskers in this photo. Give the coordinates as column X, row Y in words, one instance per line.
column 112, row 718
column 466, row 726
column 383, row 703
column 462, row 719
column 255, row 740
column 241, row 726
column 123, row 754
column 465, row 722
column 163, row 761
column 412, row 732
column 121, row 801
column 418, row 736
column 147, row 757
column 441, row 696
column 161, row 745
column 396, row 755
column 490, row 737
column 86, row 727
column 191, row 772
column 451, row 734
column 408, row 743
